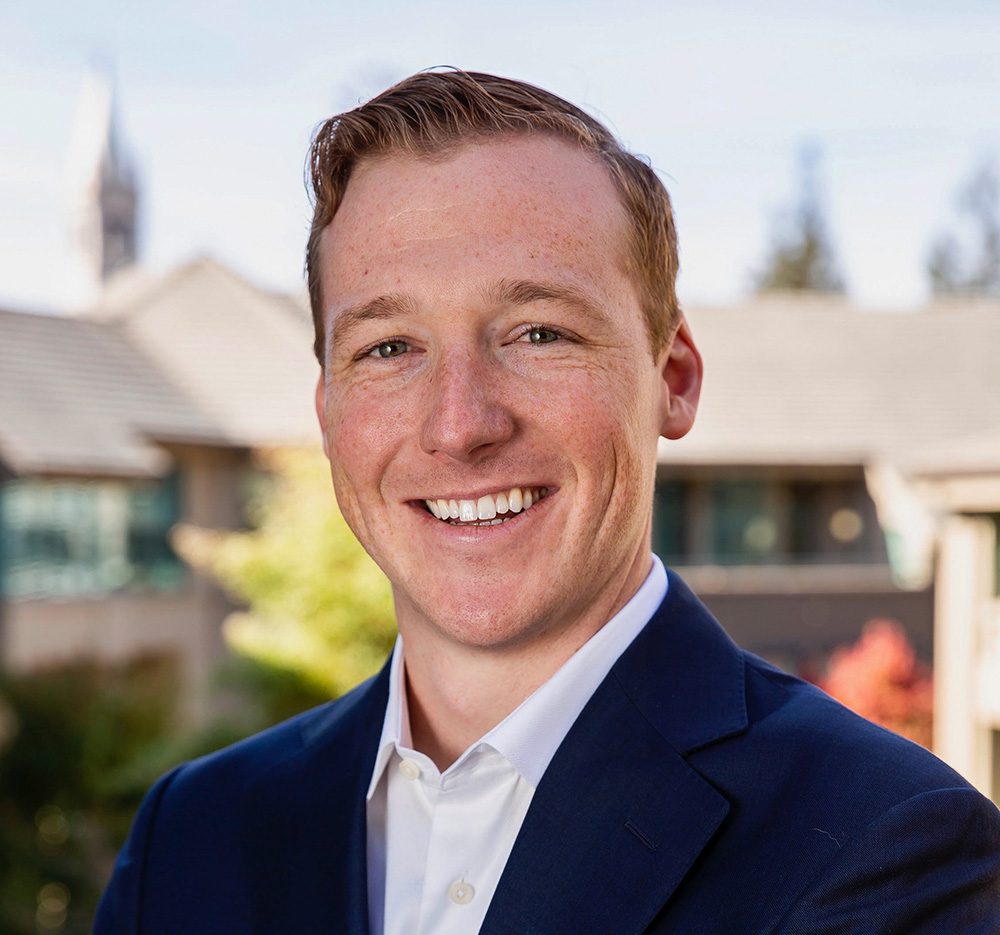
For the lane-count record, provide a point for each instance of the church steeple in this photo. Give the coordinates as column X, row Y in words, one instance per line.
column 103, row 191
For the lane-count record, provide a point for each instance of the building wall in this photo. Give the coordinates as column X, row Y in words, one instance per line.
column 792, row 560
column 795, row 617
column 183, row 619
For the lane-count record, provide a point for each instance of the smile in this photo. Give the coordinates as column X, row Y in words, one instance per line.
column 489, row 510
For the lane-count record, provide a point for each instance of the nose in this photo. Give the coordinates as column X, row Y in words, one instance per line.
column 466, row 417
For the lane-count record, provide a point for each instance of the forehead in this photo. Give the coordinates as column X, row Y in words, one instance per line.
column 505, row 207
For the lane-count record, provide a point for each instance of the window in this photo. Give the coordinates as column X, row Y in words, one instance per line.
column 670, row 519
column 744, row 523
column 765, row 520
column 62, row 538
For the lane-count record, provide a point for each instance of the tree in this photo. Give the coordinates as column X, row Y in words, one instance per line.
column 320, row 611
column 801, row 257
column 967, row 262
column 881, row 679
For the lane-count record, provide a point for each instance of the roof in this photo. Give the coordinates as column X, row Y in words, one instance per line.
column 241, row 353
column 813, row 381
column 976, row 454
column 77, row 397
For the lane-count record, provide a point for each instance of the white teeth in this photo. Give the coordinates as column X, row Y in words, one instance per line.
column 467, row 511
column 487, row 509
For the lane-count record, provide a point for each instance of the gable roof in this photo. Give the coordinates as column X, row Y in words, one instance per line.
column 241, row 353
column 813, row 381
column 77, row 397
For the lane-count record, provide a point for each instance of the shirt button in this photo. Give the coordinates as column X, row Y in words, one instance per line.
column 461, row 893
column 410, row 769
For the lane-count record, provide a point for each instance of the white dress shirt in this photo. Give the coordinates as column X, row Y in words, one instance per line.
column 438, row 842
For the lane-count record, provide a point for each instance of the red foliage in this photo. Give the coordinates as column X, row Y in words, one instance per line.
column 881, row 679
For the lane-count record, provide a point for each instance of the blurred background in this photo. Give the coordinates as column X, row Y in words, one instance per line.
column 174, row 573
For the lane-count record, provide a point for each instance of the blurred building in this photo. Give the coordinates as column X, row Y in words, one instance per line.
column 138, row 411
column 845, row 465
column 783, row 505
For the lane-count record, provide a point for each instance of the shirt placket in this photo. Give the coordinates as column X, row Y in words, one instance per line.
column 448, row 905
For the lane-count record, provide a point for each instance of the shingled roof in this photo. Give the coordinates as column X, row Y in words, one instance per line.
column 77, row 397
column 198, row 355
column 243, row 354
column 813, row 381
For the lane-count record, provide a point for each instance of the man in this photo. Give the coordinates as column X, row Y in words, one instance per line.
column 564, row 740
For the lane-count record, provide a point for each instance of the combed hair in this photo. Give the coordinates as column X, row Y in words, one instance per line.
column 432, row 113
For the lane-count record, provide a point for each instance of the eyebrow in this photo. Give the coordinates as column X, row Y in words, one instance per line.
column 527, row 291
column 381, row 308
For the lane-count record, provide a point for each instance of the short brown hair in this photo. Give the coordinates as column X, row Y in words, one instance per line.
column 433, row 112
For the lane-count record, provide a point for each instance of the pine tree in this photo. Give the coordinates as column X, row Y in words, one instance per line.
column 801, row 257
column 967, row 261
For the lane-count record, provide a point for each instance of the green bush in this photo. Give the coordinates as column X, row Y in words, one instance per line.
column 71, row 736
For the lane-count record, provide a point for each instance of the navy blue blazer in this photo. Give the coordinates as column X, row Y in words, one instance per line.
column 700, row 791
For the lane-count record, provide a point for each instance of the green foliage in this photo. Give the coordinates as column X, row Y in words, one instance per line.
column 967, row 261
column 321, row 617
column 71, row 736
column 800, row 257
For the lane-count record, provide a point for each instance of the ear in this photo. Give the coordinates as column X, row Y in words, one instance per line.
column 320, row 403
column 681, row 372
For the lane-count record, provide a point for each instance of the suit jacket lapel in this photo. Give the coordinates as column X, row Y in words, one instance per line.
column 310, row 822
column 619, row 816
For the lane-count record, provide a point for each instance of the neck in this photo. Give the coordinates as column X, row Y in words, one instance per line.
column 457, row 692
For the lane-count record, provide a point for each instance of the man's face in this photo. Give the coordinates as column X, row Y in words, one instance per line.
column 484, row 339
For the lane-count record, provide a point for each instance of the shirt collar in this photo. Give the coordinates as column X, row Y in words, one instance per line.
column 530, row 735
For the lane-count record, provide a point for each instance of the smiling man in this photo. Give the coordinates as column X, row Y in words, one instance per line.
column 563, row 740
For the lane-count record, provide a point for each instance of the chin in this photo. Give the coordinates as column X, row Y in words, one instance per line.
column 485, row 623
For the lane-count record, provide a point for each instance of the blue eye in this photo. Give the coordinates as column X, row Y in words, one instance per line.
column 542, row 335
column 392, row 348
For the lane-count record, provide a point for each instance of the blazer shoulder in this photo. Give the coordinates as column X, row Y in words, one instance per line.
column 198, row 827
column 930, row 864
column 814, row 728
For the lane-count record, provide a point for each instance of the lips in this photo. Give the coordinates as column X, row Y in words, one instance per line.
column 488, row 510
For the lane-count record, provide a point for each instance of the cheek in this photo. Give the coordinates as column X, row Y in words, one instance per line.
column 609, row 431
column 596, row 410
column 362, row 432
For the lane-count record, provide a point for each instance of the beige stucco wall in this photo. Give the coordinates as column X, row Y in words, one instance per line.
column 112, row 628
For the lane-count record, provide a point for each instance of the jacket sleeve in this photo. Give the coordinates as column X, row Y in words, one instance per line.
column 121, row 905
column 929, row 865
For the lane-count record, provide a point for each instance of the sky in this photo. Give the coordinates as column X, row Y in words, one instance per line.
column 217, row 102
